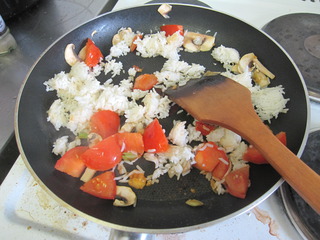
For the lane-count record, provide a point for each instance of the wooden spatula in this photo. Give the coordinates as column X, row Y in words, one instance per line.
column 222, row 101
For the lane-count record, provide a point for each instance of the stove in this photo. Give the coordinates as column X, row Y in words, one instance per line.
column 29, row 212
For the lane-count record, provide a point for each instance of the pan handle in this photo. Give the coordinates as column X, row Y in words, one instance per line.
column 117, row 234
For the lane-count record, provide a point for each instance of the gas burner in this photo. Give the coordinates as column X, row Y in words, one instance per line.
column 303, row 217
column 299, row 35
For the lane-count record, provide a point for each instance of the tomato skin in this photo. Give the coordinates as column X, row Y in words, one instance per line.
column 133, row 46
column 131, row 142
column 204, row 128
column 93, row 54
column 101, row 186
column 171, row 29
column 103, row 156
column 145, row 82
column 207, row 157
column 154, row 138
column 282, row 136
column 105, row 123
column 254, row 156
column 237, row 182
column 222, row 169
column 71, row 162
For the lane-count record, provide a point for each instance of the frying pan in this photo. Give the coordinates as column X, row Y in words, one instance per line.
column 160, row 208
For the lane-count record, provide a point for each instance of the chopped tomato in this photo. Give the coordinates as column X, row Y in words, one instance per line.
column 105, row 123
column 204, row 128
column 71, row 162
column 237, row 182
column 145, row 82
column 171, row 29
column 208, row 156
column 93, row 54
column 101, row 186
column 131, row 143
column 133, row 46
column 282, row 136
column 222, row 169
column 104, row 155
column 154, row 138
column 254, row 156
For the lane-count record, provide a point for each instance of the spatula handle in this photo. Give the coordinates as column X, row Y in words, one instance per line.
column 299, row 175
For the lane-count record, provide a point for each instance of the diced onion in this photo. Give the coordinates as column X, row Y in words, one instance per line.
column 88, row 174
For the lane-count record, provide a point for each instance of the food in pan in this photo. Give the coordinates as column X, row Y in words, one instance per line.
column 118, row 123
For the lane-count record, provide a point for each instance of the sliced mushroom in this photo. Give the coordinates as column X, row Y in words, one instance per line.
column 259, row 78
column 251, row 61
column 125, row 197
column 263, row 69
column 82, row 53
column 70, row 55
column 164, row 9
column 195, row 42
column 120, row 35
column 246, row 62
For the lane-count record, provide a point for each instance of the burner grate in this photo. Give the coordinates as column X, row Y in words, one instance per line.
column 305, row 219
column 299, row 35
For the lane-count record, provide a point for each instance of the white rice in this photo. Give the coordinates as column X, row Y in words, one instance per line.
column 269, row 102
column 178, row 73
column 61, row 145
column 80, row 94
column 157, row 44
column 225, row 55
column 113, row 67
column 179, row 134
column 177, row 161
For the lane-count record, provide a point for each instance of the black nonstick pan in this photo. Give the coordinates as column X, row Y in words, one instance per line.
column 161, row 207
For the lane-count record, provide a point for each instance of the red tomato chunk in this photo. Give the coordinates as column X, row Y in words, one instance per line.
column 237, row 182
column 71, row 162
column 145, row 82
column 154, row 138
column 171, row 29
column 222, row 169
column 101, row 186
column 254, row 156
column 104, row 155
column 131, row 143
column 205, row 129
column 93, row 54
column 208, row 156
column 105, row 123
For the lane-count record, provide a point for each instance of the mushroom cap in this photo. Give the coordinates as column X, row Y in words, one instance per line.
column 126, row 195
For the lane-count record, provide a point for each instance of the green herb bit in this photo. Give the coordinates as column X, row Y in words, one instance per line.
column 129, row 156
column 83, row 135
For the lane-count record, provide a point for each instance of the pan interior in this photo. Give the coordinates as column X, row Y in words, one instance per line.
column 160, row 206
